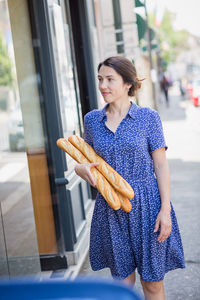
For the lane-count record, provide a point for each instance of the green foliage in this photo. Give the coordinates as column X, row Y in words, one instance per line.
column 171, row 41
column 6, row 77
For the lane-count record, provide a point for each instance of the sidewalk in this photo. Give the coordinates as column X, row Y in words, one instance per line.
column 181, row 122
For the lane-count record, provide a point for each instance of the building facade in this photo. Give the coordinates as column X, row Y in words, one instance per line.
column 52, row 49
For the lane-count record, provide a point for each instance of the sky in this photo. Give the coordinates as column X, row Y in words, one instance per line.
column 187, row 13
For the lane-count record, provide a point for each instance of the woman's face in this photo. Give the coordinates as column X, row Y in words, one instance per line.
column 111, row 85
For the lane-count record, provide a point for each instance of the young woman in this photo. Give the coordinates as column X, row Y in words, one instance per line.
column 130, row 138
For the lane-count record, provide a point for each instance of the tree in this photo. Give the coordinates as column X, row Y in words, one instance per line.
column 6, row 77
column 171, row 41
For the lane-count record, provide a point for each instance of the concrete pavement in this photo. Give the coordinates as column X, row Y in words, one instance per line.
column 181, row 122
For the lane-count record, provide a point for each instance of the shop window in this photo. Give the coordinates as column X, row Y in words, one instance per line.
column 18, row 242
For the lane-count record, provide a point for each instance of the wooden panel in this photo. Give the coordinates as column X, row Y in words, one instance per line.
column 42, row 203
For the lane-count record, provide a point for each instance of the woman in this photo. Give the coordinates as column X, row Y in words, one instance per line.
column 130, row 138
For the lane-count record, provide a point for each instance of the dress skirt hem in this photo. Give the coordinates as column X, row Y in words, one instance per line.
column 134, row 269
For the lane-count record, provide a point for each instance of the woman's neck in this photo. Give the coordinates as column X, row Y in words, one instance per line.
column 119, row 108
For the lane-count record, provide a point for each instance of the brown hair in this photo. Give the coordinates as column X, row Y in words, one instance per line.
column 126, row 69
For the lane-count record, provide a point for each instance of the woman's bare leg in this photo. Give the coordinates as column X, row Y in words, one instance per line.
column 130, row 280
column 153, row 290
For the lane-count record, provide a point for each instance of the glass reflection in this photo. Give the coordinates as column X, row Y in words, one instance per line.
column 64, row 69
column 18, row 243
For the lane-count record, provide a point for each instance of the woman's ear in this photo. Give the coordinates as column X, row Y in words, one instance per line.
column 128, row 85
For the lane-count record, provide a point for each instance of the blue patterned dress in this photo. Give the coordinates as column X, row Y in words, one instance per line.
column 125, row 241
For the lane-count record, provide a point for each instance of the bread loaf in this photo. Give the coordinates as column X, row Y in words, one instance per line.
column 72, row 151
column 118, row 182
column 125, row 202
column 102, row 184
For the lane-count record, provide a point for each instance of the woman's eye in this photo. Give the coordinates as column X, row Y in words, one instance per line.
column 109, row 79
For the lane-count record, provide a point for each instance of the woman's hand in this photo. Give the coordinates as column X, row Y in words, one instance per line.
column 163, row 221
column 84, row 171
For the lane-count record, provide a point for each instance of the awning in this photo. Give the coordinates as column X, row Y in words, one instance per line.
column 138, row 3
column 141, row 26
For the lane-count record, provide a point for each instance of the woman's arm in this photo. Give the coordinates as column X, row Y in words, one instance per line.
column 161, row 169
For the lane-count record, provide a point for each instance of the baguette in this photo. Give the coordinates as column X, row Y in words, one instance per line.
column 102, row 184
column 118, row 182
column 125, row 203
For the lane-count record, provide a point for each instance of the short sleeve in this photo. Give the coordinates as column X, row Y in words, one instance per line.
column 87, row 130
column 155, row 136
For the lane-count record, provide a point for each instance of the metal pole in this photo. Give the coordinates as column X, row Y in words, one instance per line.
column 149, row 52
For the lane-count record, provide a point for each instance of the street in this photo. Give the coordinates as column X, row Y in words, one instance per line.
column 181, row 123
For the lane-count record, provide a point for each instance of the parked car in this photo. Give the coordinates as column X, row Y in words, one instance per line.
column 196, row 92
column 16, row 130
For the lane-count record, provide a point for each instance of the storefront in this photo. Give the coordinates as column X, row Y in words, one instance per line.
column 50, row 53
column 44, row 205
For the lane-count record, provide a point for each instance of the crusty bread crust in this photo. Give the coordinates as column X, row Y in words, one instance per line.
column 117, row 181
column 125, row 202
column 102, row 185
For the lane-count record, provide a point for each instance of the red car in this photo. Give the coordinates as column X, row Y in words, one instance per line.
column 194, row 92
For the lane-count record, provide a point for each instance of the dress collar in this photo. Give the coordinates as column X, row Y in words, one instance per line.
column 131, row 112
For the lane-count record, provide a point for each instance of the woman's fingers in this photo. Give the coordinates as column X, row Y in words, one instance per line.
column 91, row 178
column 164, row 233
column 164, row 222
column 157, row 225
column 84, row 171
column 92, row 165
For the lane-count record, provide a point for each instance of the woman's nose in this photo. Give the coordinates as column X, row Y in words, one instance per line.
column 103, row 84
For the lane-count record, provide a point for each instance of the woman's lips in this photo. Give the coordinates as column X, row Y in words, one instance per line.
column 105, row 93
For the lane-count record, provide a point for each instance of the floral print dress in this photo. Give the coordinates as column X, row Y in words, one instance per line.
column 125, row 241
